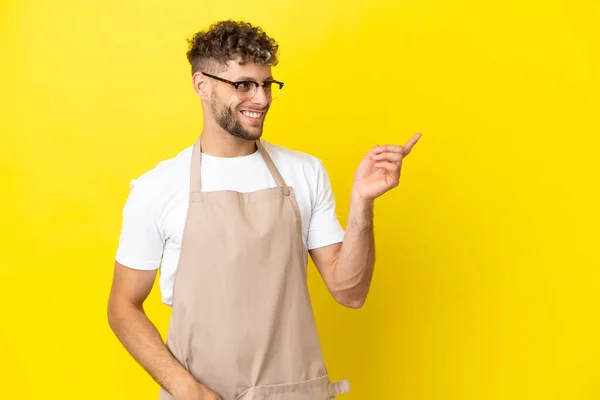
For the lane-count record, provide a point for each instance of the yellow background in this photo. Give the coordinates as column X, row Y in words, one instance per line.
column 487, row 283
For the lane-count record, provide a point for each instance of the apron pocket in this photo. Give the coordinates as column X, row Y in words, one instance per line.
column 312, row 389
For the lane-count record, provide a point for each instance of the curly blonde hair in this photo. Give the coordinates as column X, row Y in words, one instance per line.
column 230, row 40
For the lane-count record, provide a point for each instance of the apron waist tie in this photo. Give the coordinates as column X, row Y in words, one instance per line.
column 340, row 387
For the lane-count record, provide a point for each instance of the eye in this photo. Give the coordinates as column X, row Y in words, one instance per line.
column 268, row 86
column 245, row 86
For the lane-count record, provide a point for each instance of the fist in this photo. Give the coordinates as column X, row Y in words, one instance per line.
column 198, row 392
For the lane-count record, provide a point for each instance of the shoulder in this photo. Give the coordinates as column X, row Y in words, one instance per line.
column 296, row 160
column 165, row 177
column 305, row 172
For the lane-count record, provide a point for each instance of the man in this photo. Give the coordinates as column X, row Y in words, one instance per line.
column 231, row 237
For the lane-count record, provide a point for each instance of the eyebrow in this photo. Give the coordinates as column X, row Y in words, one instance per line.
column 249, row 78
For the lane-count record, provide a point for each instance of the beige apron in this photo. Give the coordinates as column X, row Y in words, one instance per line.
column 242, row 321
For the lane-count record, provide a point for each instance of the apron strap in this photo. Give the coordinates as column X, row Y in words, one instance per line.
column 195, row 177
column 195, row 184
column 271, row 165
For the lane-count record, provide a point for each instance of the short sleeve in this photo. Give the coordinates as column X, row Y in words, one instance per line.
column 324, row 227
column 141, row 243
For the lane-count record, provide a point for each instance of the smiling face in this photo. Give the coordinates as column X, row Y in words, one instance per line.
column 240, row 114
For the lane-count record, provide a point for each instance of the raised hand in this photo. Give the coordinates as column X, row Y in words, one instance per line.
column 379, row 171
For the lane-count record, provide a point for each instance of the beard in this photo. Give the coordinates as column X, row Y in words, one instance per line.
column 228, row 119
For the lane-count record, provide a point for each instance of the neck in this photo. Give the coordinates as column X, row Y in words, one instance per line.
column 219, row 143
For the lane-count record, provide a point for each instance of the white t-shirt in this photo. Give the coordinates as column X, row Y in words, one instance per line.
column 155, row 212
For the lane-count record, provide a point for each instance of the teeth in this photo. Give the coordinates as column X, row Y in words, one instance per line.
column 252, row 114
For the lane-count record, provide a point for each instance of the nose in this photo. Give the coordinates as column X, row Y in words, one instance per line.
column 260, row 97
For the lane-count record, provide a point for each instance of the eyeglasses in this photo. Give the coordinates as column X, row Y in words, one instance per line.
column 246, row 90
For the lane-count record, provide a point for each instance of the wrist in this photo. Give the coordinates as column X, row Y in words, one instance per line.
column 356, row 200
column 361, row 212
column 185, row 387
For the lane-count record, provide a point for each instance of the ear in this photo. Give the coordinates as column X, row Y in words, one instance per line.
column 200, row 85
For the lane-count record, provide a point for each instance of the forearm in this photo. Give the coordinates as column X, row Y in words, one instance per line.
column 142, row 340
column 353, row 269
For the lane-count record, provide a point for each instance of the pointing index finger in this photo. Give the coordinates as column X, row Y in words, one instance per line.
column 411, row 142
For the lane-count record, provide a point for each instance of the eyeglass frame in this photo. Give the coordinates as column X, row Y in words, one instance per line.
column 238, row 83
